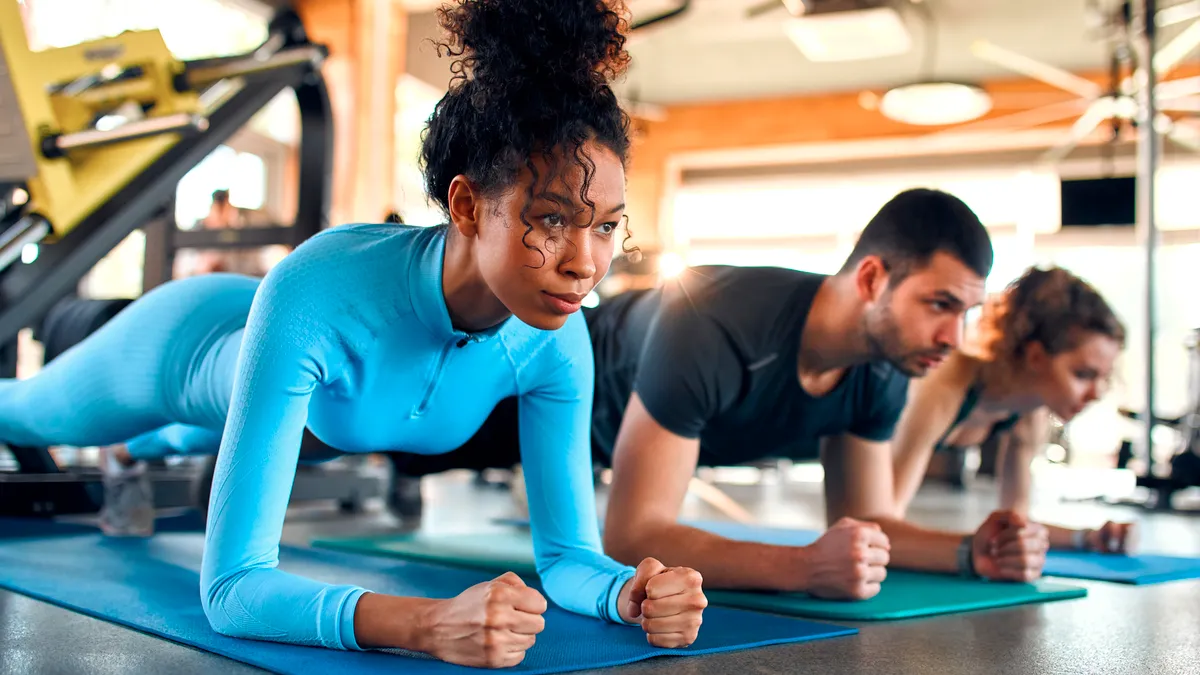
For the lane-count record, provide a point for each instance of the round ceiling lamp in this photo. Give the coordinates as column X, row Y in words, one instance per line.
column 935, row 103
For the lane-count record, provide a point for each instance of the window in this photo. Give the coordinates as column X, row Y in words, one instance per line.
column 248, row 182
column 244, row 174
column 415, row 101
column 720, row 220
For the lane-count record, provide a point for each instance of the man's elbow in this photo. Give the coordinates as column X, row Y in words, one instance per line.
column 617, row 545
column 622, row 542
column 625, row 541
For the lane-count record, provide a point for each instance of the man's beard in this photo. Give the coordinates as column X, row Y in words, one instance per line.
column 885, row 344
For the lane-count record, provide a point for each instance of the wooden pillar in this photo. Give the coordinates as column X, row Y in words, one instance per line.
column 644, row 188
column 366, row 40
column 380, row 33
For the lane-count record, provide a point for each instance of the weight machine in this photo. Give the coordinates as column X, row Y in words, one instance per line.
column 94, row 139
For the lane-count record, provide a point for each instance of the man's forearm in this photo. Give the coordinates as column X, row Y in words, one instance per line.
column 921, row 549
column 724, row 563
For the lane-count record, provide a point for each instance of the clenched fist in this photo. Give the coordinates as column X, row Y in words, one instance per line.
column 489, row 625
column 848, row 562
column 1009, row 547
column 1111, row 538
column 669, row 603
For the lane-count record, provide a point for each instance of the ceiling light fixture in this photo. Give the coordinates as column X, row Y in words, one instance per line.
column 935, row 103
column 849, row 35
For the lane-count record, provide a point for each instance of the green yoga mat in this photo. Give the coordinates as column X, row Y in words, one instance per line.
column 904, row 594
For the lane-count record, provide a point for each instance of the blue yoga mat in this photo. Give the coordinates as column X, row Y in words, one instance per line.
column 153, row 585
column 1122, row 569
column 1125, row 569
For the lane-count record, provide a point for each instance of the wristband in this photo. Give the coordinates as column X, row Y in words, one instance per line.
column 966, row 559
column 1079, row 539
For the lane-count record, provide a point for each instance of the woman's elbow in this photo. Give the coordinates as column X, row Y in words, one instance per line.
column 219, row 601
column 571, row 580
column 222, row 621
column 219, row 618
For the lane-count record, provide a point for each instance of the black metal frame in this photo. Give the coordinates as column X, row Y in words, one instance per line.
column 164, row 240
column 159, row 257
column 79, row 492
column 1185, row 465
column 8, row 358
column 684, row 5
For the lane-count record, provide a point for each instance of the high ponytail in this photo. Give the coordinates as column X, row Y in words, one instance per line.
column 530, row 76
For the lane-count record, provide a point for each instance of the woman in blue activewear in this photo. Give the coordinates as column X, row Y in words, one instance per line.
column 383, row 336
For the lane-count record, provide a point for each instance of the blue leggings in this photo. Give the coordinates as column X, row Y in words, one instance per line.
column 158, row 376
column 175, row 439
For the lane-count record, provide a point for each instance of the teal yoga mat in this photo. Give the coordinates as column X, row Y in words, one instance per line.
column 903, row 595
column 1137, row 569
column 1140, row 569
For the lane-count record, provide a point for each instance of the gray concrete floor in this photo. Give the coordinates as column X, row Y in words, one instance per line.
column 1116, row 629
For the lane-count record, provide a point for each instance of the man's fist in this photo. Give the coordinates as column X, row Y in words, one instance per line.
column 1111, row 538
column 848, row 562
column 1009, row 547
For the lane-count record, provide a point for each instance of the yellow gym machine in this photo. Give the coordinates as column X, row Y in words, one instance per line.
column 70, row 137
column 94, row 139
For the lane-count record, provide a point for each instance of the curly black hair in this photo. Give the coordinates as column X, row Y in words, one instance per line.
column 530, row 76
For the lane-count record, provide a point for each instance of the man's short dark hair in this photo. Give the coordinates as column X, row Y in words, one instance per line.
column 918, row 223
column 220, row 197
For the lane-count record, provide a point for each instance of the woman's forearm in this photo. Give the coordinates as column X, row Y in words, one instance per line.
column 1016, row 478
column 388, row 621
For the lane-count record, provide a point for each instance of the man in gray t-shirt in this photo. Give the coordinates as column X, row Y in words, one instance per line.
column 727, row 365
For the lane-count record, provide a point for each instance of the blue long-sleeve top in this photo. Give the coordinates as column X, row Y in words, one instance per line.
column 350, row 336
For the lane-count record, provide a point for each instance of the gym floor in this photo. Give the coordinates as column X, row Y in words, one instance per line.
column 1116, row 629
